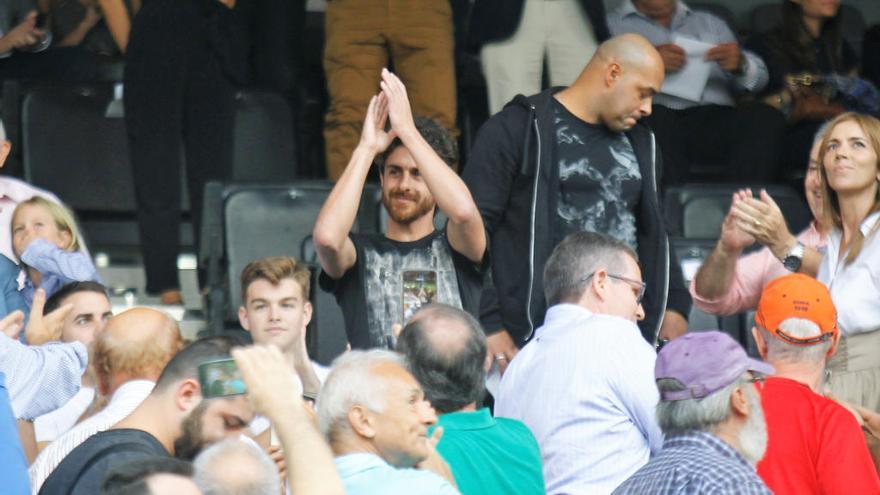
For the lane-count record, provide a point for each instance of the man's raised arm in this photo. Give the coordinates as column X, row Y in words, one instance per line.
column 336, row 252
column 465, row 229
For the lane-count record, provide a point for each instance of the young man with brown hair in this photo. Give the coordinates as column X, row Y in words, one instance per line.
column 276, row 310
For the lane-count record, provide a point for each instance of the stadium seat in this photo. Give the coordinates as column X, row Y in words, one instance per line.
column 696, row 211
column 246, row 221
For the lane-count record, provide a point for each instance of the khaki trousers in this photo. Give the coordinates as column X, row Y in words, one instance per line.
column 557, row 29
column 361, row 35
column 855, row 370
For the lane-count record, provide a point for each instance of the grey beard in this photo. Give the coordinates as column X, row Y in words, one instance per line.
column 753, row 435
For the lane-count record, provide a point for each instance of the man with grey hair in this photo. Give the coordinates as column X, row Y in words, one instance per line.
column 235, row 467
column 816, row 445
column 445, row 349
column 711, row 415
column 375, row 416
column 584, row 384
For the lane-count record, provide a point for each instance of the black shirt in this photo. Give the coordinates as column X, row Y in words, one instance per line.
column 599, row 179
column 391, row 279
column 83, row 470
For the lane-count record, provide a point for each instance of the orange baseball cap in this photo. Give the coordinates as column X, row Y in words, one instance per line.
column 797, row 296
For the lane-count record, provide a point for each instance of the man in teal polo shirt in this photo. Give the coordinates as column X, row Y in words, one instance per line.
column 446, row 351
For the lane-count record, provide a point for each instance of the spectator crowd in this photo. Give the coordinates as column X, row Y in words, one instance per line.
column 536, row 340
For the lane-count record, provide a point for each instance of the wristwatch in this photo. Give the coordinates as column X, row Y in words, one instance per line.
column 794, row 258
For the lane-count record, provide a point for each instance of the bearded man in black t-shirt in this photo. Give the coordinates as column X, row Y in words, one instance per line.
column 381, row 280
column 174, row 419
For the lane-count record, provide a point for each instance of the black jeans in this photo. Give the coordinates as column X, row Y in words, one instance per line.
column 744, row 141
column 178, row 103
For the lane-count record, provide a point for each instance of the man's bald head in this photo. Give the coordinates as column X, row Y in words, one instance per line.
column 233, row 466
column 630, row 50
column 136, row 344
column 445, row 350
column 618, row 85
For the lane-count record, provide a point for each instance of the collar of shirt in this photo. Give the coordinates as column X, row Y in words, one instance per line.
column 140, row 388
column 865, row 227
column 352, row 464
column 869, row 223
column 472, row 420
column 696, row 441
column 681, row 11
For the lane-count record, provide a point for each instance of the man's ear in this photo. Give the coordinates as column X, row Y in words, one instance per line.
column 307, row 314
column 760, row 342
column 739, row 403
column 599, row 283
column 5, row 148
column 835, row 341
column 613, row 73
column 187, row 395
column 242, row 318
column 362, row 422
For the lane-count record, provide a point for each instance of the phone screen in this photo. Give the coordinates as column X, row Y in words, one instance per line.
column 221, row 378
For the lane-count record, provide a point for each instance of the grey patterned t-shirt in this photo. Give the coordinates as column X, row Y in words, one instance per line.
column 599, row 179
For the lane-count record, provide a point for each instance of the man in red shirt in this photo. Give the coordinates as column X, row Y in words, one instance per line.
column 814, row 444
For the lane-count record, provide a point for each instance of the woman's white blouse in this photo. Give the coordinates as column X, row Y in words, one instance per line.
column 855, row 288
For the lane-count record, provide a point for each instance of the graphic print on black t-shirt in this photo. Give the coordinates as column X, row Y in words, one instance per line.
column 599, row 179
column 391, row 280
column 384, row 283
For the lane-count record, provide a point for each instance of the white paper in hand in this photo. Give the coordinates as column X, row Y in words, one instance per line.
column 690, row 81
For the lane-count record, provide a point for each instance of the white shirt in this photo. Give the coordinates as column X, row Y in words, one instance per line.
column 855, row 288
column 126, row 398
column 585, row 387
column 52, row 425
column 261, row 423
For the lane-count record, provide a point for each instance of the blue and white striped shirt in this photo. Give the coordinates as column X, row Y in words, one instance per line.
column 704, row 27
column 585, row 387
column 696, row 463
column 42, row 378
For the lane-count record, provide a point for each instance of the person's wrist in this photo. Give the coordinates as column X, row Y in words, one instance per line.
column 783, row 247
column 408, row 132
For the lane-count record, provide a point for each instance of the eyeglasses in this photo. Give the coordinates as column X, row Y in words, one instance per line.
column 758, row 380
column 636, row 284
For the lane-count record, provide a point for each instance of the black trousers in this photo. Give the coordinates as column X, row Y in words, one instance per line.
column 178, row 104
column 744, row 141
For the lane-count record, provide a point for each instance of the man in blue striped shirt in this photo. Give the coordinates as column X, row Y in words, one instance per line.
column 584, row 384
column 712, row 418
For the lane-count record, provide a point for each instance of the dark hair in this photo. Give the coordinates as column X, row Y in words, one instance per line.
column 577, row 256
column 55, row 300
column 435, row 134
column 130, row 478
column 185, row 364
column 452, row 377
column 796, row 40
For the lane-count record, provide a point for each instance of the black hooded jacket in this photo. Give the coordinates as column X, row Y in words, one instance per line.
column 514, row 182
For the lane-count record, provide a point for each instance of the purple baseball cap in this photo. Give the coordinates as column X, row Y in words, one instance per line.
column 704, row 362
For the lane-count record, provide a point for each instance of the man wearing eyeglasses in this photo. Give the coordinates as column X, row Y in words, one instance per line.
column 584, row 384
column 815, row 444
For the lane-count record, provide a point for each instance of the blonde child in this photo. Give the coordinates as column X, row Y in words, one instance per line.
column 46, row 240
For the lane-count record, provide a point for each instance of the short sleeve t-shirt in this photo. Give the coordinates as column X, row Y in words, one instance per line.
column 83, row 470
column 814, row 445
column 390, row 280
column 600, row 182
